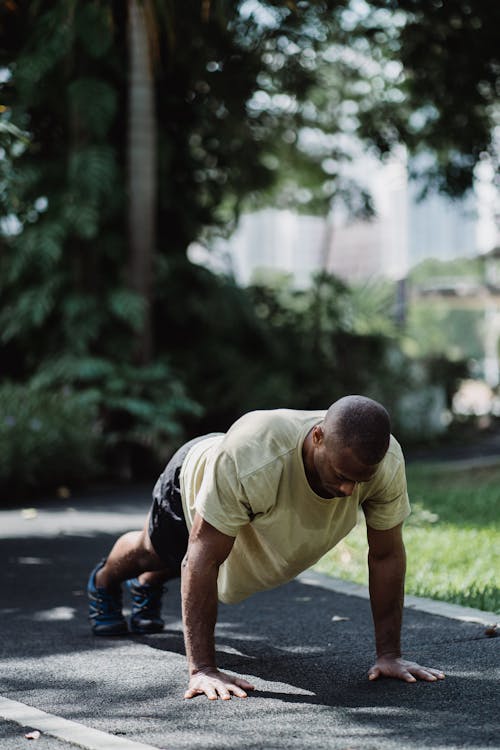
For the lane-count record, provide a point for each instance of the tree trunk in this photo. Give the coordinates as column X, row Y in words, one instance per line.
column 142, row 176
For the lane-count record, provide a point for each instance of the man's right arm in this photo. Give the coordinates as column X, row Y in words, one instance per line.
column 207, row 550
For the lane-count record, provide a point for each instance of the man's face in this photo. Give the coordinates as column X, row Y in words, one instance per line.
column 338, row 470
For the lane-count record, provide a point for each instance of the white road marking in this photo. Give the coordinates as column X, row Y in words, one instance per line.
column 63, row 729
column 431, row 606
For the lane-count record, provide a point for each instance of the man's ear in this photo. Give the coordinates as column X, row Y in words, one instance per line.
column 317, row 435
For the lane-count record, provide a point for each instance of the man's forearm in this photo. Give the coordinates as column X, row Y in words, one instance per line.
column 199, row 612
column 387, row 575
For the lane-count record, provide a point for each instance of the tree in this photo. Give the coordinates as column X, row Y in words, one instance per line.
column 252, row 101
column 68, row 315
column 61, row 274
column 141, row 172
column 443, row 100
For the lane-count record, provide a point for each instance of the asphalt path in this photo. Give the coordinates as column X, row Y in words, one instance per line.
column 307, row 648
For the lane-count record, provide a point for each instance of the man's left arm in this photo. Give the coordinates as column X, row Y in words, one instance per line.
column 387, row 566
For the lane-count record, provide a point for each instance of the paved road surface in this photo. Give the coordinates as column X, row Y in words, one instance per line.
column 306, row 648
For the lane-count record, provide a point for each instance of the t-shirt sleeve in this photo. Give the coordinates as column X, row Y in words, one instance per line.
column 388, row 505
column 221, row 500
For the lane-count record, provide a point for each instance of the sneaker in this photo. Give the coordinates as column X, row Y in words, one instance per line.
column 146, row 607
column 105, row 608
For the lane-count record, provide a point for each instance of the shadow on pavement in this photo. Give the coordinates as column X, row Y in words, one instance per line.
column 307, row 648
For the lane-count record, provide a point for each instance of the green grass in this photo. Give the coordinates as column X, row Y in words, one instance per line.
column 452, row 537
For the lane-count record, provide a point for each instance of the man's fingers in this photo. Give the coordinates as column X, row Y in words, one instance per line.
column 237, row 691
column 426, row 673
column 431, row 675
column 215, row 687
column 243, row 683
column 226, row 689
column 437, row 673
column 208, row 691
column 409, row 671
column 407, row 676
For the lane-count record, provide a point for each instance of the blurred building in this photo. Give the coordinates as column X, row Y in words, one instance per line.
column 272, row 240
column 380, row 246
column 403, row 232
column 440, row 228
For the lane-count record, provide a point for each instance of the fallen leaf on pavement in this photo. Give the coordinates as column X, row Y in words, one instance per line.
column 35, row 735
column 29, row 513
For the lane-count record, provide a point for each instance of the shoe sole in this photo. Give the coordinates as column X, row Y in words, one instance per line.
column 112, row 632
column 145, row 631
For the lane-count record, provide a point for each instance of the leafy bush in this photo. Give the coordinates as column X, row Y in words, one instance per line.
column 79, row 417
column 273, row 345
column 139, row 408
column 47, row 438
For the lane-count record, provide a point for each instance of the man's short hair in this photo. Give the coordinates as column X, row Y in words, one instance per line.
column 361, row 424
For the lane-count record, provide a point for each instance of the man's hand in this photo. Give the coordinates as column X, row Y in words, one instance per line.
column 401, row 669
column 215, row 684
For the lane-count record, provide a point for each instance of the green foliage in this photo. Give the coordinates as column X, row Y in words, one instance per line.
column 444, row 95
column 139, row 409
column 432, row 270
column 92, row 172
column 251, row 105
column 327, row 344
column 459, row 495
column 94, row 104
column 94, row 28
column 47, row 438
column 272, row 345
column 435, row 330
column 75, row 409
column 13, row 141
column 449, row 326
column 447, row 373
column 60, row 271
column 371, row 308
column 458, row 549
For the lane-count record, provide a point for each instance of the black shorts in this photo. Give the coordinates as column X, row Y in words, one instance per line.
column 167, row 525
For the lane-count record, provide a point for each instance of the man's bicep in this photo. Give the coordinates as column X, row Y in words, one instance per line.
column 208, row 542
column 384, row 542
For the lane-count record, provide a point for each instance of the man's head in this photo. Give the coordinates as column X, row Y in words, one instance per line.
column 348, row 445
column 361, row 424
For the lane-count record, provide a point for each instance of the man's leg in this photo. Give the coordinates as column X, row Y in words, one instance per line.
column 132, row 560
column 132, row 556
column 144, row 559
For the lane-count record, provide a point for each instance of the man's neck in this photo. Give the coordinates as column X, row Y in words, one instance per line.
column 309, row 468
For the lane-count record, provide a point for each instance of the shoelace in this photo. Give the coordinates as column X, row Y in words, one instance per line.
column 147, row 600
column 107, row 605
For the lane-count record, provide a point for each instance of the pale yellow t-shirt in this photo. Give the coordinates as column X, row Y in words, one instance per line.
column 251, row 484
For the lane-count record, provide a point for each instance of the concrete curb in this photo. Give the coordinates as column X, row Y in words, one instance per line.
column 64, row 729
column 431, row 606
